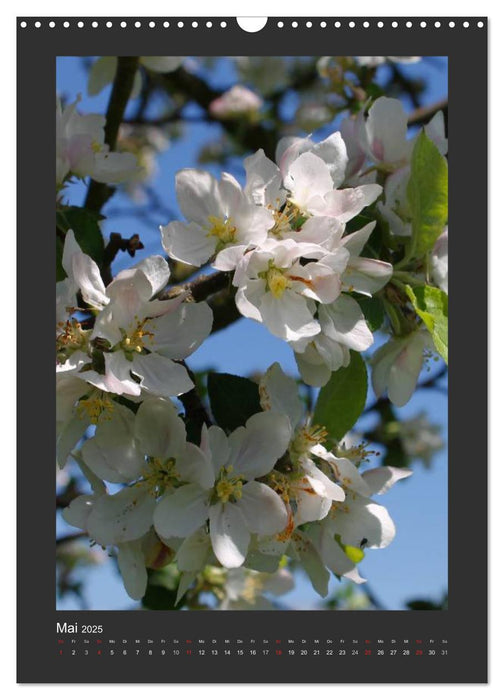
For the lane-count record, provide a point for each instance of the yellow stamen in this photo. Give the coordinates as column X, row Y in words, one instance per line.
column 222, row 228
column 133, row 341
column 277, row 282
column 305, row 438
column 97, row 406
column 159, row 474
column 228, row 487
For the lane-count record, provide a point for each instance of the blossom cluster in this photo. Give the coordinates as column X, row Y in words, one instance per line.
column 296, row 267
column 268, row 489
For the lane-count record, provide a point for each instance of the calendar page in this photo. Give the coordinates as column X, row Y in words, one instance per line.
column 262, row 471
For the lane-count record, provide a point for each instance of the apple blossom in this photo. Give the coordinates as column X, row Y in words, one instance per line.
column 343, row 328
column 358, row 522
column 277, row 290
column 81, row 149
column 235, row 103
column 139, row 337
column 397, row 364
column 237, row 505
column 221, row 219
column 304, row 484
column 149, row 446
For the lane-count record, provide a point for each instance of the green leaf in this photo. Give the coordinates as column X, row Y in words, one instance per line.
column 160, row 598
column 341, row 401
column 374, row 313
column 232, row 399
column 427, row 195
column 431, row 304
column 85, row 225
column 161, row 592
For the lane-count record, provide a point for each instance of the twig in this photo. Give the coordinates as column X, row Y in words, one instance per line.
column 423, row 115
column 201, row 288
column 115, row 244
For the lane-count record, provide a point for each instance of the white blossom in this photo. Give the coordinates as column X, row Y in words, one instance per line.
column 223, row 221
column 140, row 337
column 358, row 522
column 81, row 149
column 306, row 485
column 397, row 364
column 276, row 289
column 343, row 328
column 237, row 505
column 235, row 103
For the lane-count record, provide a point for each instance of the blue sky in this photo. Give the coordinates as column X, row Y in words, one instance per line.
column 415, row 564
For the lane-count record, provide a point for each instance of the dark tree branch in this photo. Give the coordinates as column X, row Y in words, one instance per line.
column 200, row 288
column 196, row 415
column 115, row 244
column 216, row 289
column 251, row 136
column 423, row 115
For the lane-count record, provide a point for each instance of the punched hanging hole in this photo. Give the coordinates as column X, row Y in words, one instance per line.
column 252, row 24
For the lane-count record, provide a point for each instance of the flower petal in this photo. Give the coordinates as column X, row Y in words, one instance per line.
column 77, row 513
column 308, row 177
column 256, row 448
column 178, row 334
column 112, row 453
column 386, row 129
column 125, row 516
column 279, row 393
column 161, row 376
column 335, row 558
column 288, row 317
column 131, row 563
column 311, row 562
column 263, row 180
column 229, row 534
column 363, row 520
column 382, row 479
column 347, row 203
column 193, row 465
column 194, row 551
column 344, row 322
column 86, row 274
column 312, row 374
column 198, row 195
column 159, row 430
column 180, row 513
column 188, row 243
column 262, row 509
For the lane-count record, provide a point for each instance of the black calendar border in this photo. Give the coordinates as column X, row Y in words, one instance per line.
column 464, row 624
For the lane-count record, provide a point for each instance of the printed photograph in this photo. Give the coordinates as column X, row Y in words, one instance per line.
column 251, row 333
